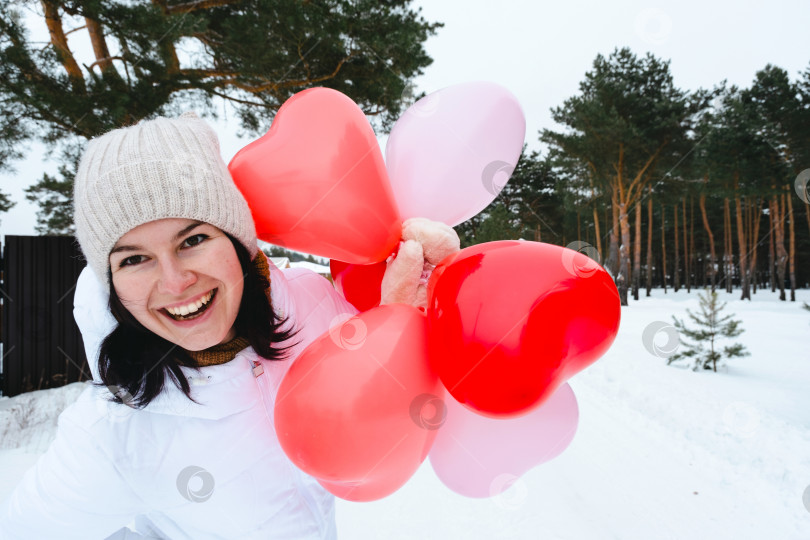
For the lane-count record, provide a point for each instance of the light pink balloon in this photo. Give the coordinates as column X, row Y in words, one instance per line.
column 477, row 456
column 451, row 152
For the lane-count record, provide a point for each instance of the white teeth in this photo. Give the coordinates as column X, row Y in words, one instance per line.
column 191, row 308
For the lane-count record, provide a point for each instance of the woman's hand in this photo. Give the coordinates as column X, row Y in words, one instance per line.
column 424, row 244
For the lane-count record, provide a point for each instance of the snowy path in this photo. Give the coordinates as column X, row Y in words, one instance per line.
column 623, row 477
column 660, row 453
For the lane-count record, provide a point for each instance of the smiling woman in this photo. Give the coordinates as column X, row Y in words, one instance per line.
column 190, row 332
column 182, row 291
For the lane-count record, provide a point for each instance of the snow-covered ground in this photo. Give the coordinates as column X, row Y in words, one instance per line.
column 660, row 453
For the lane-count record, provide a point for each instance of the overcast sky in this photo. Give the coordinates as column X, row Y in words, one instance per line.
column 541, row 50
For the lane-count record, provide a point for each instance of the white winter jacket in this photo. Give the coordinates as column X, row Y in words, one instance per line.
column 175, row 468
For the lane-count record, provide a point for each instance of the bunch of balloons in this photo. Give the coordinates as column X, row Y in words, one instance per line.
column 478, row 381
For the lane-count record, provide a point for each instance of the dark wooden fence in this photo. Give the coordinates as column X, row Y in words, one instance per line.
column 42, row 346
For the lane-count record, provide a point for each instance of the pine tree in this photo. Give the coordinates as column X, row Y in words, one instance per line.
column 711, row 326
column 163, row 57
column 11, row 135
column 5, row 202
column 54, row 196
column 628, row 125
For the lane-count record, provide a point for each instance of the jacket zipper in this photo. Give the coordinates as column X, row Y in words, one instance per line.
column 304, row 493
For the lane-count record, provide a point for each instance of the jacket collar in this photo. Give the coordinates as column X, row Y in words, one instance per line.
column 224, row 389
column 218, row 391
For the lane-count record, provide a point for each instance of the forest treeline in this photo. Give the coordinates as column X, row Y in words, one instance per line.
column 666, row 187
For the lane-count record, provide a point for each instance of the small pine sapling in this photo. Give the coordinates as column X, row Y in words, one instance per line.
column 711, row 326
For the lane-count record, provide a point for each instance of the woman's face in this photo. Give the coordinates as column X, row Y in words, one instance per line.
column 181, row 279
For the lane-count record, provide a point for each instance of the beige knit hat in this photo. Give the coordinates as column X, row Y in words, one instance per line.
column 162, row 168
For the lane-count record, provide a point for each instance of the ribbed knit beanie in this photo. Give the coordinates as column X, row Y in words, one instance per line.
column 161, row 168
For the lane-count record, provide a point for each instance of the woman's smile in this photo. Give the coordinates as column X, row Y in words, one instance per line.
column 190, row 310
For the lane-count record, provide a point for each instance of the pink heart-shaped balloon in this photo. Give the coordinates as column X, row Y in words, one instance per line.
column 316, row 181
column 451, row 152
column 478, row 456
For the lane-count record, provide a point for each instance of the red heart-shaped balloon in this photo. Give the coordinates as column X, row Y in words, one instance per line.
column 351, row 409
column 360, row 284
column 316, row 181
column 510, row 321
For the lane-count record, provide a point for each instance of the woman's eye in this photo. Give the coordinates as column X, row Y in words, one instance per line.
column 197, row 239
column 131, row 261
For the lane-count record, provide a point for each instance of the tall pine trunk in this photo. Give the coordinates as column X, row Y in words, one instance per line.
column 692, row 257
column 613, row 249
column 624, row 254
column 685, row 251
column 637, row 254
column 771, row 262
column 755, row 216
column 744, row 282
column 676, row 282
column 712, row 253
column 597, row 233
column 664, row 247
column 792, row 248
column 749, row 245
column 728, row 255
column 649, row 242
column 781, row 254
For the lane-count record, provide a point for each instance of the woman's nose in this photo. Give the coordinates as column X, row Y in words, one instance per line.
column 175, row 278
